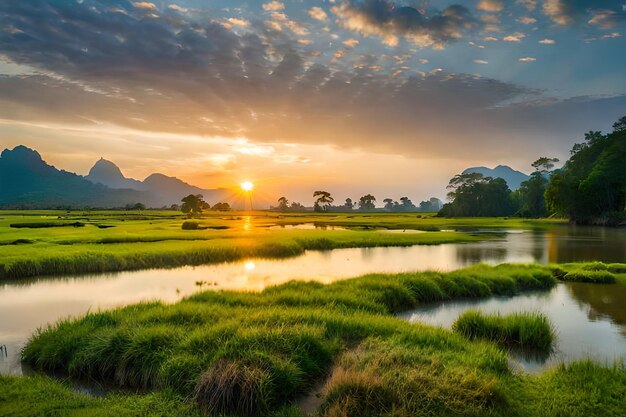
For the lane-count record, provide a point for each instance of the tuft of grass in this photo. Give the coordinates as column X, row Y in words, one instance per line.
column 594, row 276
column 531, row 331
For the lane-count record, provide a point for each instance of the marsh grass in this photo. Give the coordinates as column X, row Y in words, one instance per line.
column 250, row 353
column 526, row 331
column 116, row 241
column 592, row 276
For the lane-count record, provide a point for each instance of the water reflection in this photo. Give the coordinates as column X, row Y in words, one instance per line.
column 582, row 329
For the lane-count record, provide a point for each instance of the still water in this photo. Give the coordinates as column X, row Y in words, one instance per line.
column 28, row 305
column 590, row 321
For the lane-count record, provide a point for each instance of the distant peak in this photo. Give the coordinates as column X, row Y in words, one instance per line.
column 104, row 168
column 21, row 152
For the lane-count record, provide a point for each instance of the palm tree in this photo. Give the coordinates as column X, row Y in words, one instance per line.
column 323, row 199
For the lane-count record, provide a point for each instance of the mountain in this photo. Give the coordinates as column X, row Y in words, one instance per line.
column 164, row 190
column 26, row 180
column 512, row 177
column 107, row 173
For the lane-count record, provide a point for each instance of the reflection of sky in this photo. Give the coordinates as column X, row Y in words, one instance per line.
column 578, row 335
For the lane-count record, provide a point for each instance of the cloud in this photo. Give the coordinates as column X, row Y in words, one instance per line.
column 529, row 4
column 383, row 18
column 238, row 22
column 318, row 13
column 526, row 20
column 490, row 39
column 490, row 5
column 547, row 41
column 599, row 12
column 515, row 37
column 527, row 59
column 195, row 77
column 178, row 8
column 144, row 5
column 273, row 6
column 481, row 61
column 351, row 43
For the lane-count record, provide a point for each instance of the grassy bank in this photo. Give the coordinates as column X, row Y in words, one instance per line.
column 519, row 330
column 256, row 353
column 50, row 243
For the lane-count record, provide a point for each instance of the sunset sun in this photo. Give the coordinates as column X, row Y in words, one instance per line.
column 247, row 186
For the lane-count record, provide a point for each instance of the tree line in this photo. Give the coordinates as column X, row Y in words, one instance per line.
column 589, row 188
column 324, row 203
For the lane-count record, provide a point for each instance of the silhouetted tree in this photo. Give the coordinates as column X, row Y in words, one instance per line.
column 323, row 200
column 388, row 204
column 283, row 204
column 296, row 207
column 221, row 207
column 348, row 205
column 366, row 203
column 620, row 125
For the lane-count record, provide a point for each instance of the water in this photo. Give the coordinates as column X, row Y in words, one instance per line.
column 28, row 305
column 590, row 321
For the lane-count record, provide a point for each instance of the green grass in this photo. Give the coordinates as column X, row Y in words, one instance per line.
column 528, row 331
column 116, row 241
column 252, row 353
column 256, row 354
column 596, row 277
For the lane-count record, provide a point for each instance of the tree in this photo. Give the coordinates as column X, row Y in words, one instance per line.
column 323, row 200
column 194, row 204
column 620, row 125
column 283, row 204
column 296, row 207
column 221, row 207
column 366, row 203
column 475, row 195
column 406, row 204
column 348, row 205
column 591, row 186
column 388, row 204
column 531, row 193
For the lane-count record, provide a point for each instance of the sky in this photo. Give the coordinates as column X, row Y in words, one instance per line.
column 385, row 97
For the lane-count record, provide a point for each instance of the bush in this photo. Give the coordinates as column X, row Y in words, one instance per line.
column 524, row 330
column 190, row 225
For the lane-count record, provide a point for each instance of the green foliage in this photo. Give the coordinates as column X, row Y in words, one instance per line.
column 522, row 330
column 592, row 183
column 473, row 195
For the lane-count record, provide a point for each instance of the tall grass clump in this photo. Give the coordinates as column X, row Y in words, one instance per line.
column 592, row 276
column 522, row 330
column 190, row 225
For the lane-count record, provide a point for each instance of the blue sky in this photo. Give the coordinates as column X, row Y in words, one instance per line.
column 293, row 92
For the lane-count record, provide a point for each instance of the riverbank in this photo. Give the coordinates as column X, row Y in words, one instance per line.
column 52, row 243
column 256, row 353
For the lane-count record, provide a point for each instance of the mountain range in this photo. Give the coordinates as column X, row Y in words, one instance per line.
column 512, row 177
column 27, row 181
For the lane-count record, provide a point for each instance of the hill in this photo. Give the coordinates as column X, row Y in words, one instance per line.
column 164, row 190
column 27, row 181
column 512, row 177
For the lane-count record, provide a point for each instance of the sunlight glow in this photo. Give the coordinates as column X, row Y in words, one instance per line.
column 247, row 186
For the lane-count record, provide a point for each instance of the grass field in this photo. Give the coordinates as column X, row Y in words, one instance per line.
column 34, row 243
column 234, row 353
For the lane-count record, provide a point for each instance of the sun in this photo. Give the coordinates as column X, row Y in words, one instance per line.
column 247, row 186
